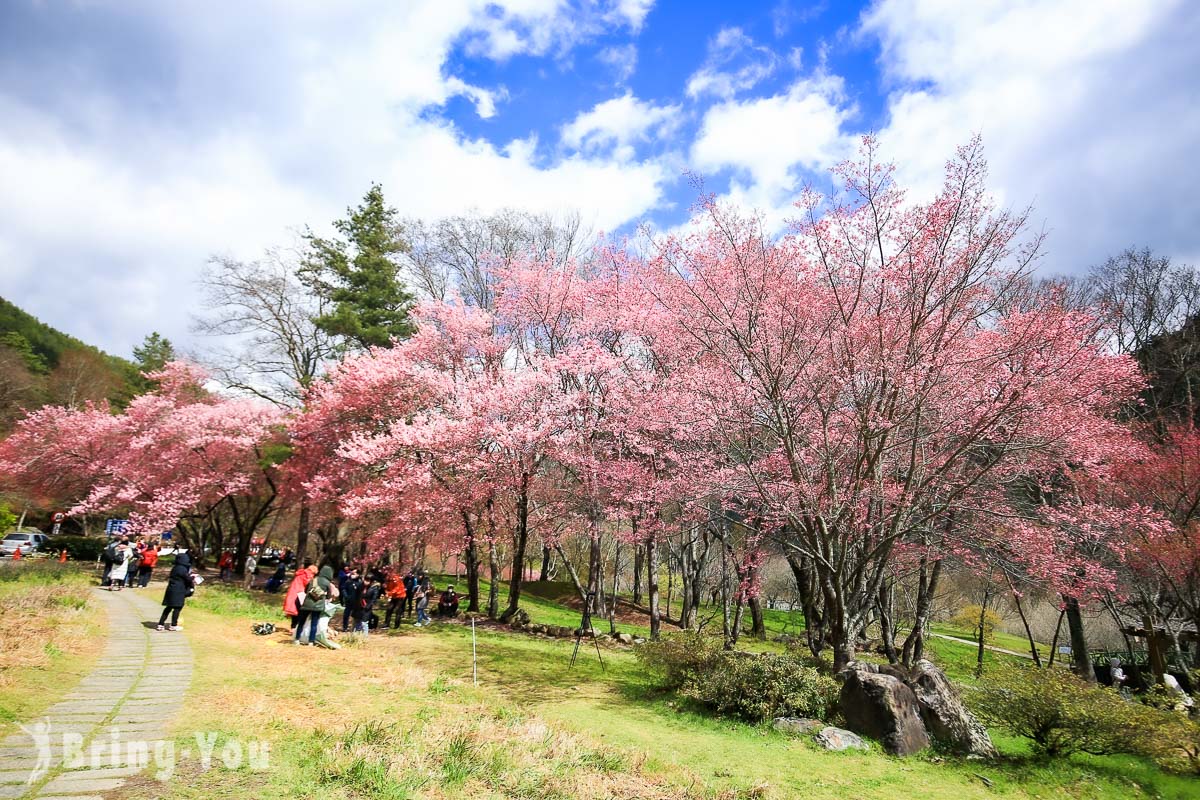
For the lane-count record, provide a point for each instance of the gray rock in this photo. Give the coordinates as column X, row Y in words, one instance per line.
column 797, row 725
column 832, row 738
column 883, row 707
column 624, row 638
column 948, row 720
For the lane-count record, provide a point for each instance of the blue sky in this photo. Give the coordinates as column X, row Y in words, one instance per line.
column 141, row 137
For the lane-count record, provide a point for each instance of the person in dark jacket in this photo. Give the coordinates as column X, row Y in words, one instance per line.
column 275, row 582
column 351, row 591
column 179, row 586
column 448, row 603
column 365, row 606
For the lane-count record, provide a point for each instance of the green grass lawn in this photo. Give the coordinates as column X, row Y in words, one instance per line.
column 578, row 732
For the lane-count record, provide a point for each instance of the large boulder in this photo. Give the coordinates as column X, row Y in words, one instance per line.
column 946, row 718
column 832, row 738
column 883, row 707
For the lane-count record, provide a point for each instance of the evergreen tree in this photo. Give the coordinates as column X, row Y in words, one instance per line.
column 154, row 352
column 357, row 275
column 20, row 344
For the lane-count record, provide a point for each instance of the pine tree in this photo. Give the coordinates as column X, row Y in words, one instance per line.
column 358, row 277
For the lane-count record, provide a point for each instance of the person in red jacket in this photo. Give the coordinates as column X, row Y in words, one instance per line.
column 396, row 594
column 146, row 567
column 299, row 584
column 225, row 564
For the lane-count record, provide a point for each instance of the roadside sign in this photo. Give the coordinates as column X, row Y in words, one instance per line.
column 57, row 517
column 115, row 526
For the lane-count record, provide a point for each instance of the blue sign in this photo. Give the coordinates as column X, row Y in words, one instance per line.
column 168, row 536
column 115, row 526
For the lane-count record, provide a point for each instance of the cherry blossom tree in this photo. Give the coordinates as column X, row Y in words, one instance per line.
column 174, row 454
column 860, row 379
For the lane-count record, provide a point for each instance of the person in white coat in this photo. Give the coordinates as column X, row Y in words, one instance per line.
column 120, row 567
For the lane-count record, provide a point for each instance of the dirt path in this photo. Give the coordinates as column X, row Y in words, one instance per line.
column 82, row 746
column 993, row 648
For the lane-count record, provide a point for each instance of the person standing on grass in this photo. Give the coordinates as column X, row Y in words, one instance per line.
column 300, row 581
column 225, row 564
column 180, row 584
column 410, row 589
column 251, row 571
column 149, row 562
column 315, row 596
column 421, row 599
column 351, row 591
column 396, row 595
column 366, row 605
column 120, row 567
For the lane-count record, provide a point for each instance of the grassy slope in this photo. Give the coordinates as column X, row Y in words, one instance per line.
column 609, row 733
column 50, row 636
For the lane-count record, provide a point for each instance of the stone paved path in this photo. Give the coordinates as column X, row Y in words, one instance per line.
column 128, row 699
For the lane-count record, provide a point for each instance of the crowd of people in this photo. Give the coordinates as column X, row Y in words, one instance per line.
column 129, row 563
column 315, row 597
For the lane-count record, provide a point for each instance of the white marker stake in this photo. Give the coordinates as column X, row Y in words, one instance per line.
column 474, row 662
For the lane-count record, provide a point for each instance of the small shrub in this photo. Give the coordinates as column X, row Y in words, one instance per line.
column 758, row 688
column 968, row 619
column 679, row 657
column 1063, row 714
column 79, row 548
column 1175, row 743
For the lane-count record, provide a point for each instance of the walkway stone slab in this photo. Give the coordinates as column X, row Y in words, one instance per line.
column 128, row 698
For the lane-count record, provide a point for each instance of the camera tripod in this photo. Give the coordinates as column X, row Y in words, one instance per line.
column 586, row 625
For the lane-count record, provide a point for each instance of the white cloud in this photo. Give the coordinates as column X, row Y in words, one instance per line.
column 621, row 59
column 734, row 63
column 1087, row 109
column 620, row 122
column 114, row 195
column 771, row 141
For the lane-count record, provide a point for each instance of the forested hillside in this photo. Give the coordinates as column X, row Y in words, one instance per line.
column 40, row 365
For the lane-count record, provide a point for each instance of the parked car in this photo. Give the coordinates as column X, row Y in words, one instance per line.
column 27, row 542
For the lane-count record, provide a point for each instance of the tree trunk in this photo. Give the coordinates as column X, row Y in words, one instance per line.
column 520, row 541
column 1033, row 649
column 639, row 555
column 980, row 630
column 810, row 603
column 544, row 574
column 887, row 630
column 727, row 636
column 758, row 625
column 594, row 588
column 1158, row 664
column 572, row 574
column 651, row 547
column 1054, row 643
column 914, row 644
column 302, row 533
column 471, row 556
column 612, row 600
column 1081, row 661
column 493, row 604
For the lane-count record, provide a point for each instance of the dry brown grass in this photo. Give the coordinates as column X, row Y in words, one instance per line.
column 50, row 637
